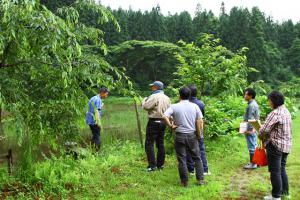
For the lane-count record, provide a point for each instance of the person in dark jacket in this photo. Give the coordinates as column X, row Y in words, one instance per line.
column 190, row 163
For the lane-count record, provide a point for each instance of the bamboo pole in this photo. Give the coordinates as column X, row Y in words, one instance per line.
column 138, row 123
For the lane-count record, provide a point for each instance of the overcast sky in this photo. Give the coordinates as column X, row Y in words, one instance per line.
column 279, row 9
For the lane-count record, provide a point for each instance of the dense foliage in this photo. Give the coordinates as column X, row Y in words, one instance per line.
column 46, row 63
column 210, row 66
column 273, row 46
column 224, row 115
column 146, row 61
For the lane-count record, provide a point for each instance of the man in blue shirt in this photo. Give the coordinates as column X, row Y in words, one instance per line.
column 93, row 116
column 190, row 163
column 252, row 113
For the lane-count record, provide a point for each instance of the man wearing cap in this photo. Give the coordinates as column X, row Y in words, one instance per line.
column 155, row 105
column 93, row 116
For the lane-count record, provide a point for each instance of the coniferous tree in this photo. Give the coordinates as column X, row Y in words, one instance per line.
column 185, row 27
column 293, row 56
column 158, row 29
column 286, row 34
column 257, row 52
column 171, row 27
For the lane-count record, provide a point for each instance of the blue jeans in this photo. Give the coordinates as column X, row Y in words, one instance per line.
column 251, row 144
column 190, row 162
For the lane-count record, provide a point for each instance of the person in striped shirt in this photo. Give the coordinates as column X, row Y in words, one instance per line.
column 277, row 133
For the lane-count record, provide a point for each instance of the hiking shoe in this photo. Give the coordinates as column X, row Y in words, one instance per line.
column 250, row 166
column 201, row 182
column 160, row 168
column 184, row 183
column 208, row 173
column 151, row 169
column 270, row 197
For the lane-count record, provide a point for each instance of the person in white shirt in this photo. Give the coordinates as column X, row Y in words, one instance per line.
column 188, row 125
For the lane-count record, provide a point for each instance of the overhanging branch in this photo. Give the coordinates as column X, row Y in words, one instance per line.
column 3, row 65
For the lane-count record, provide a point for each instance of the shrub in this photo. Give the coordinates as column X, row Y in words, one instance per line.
column 224, row 116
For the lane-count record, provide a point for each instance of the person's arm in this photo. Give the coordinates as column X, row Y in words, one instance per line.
column 199, row 122
column 251, row 115
column 97, row 118
column 245, row 117
column 199, row 127
column 167, row 115
column 149, row 103
column 169, row 123
column 98, row 108
column 256, row 114
column 270, row 122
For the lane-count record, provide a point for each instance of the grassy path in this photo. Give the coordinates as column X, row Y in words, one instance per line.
column 128, row 179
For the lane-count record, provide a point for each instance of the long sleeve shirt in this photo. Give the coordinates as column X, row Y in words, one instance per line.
column 156, row 104
column 278, row 129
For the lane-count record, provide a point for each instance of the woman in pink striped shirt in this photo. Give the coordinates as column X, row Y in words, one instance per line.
column 277, row 130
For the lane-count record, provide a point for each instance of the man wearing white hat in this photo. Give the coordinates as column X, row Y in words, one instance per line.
column 156, row 104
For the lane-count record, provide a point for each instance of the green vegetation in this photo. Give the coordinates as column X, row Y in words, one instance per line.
column 54, row 57
column 214, row 69
column 146, row 61
column 46, row 64
column 272, row 45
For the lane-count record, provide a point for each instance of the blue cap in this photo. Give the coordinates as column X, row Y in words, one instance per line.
column 158, row 84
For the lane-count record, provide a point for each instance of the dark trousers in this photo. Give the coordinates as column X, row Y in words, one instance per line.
column 190, row 162
column 95, row 141
column 155, row 133
column 188, row 143
column 276, row 164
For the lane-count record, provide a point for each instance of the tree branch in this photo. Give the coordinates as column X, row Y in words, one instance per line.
column 2, row 65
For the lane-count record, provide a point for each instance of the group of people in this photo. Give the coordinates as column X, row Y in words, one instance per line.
column 186, row 119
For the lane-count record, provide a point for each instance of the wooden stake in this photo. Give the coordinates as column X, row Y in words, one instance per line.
column 138, row 122
column 9, row 161
column 1, row 125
